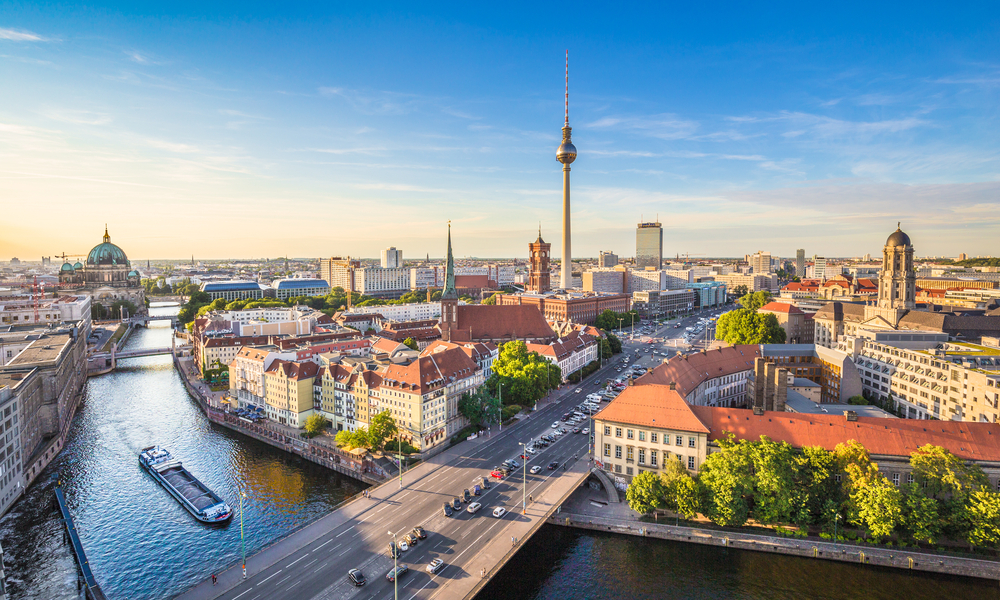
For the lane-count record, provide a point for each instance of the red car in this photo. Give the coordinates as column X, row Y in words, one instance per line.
column 525, row 457
column 496, row 474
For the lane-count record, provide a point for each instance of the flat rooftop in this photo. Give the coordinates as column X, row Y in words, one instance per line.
column 42, row 350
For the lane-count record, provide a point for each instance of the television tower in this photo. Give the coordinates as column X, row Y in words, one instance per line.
column 566, row 154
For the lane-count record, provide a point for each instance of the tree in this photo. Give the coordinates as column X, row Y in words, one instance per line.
column 775, row 493
column 747, row 326
column 738, row 291
column 382, row 428
column 879, row 504
column 920, row 518
column 605, row 349
column 353, row 439
column 680, row 493
column 645, row 493
column 524, row 377
column 755, row 300
column 492, row 300
column 857, row 400
column 411, row 343
column 479, row 407
column 614, row 343
column 727, row 477
column 315, row 424
column 818, row 491
column 984, row 513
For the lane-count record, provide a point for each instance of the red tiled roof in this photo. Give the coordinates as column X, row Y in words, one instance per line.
column 430, row 371
column 652, row 406
column 508, row 322
column 782, row 307
column 690, row 371
column 886, row 437
column 292, row 369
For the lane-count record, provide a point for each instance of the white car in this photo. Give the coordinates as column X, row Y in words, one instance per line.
column 555, row 425
column 403, row 546
column 499, row 511
column 474, row 507
column 530, row 450
column 578, row 390
column 535, row 469
column 586, row 429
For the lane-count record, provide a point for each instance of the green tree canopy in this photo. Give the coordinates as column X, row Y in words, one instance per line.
column 315, row 424
column 645, row 493
column 727, row 477
column 522, row 377
column 411, row 344
column 755, row 300
column 382, row 428
column 747, row 326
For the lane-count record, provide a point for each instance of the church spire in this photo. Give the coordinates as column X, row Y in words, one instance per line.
column 449, row 274
column 107, row 238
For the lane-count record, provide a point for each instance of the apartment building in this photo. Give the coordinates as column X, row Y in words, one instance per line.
column 715, row 377
column 924, row 376
column 570, row 353
column 605, row 280
column 246, row 374
column 288, row 391
column 753, row 282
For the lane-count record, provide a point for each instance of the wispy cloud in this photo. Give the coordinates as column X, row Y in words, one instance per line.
column 173, row 147
column 372, row 151
column 77, row 117
column 663, row 126
column 139, row 58
column 396, row 187
column 21, row 36
column 374, row 102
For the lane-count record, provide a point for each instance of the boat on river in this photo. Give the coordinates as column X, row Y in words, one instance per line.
column 204, row 504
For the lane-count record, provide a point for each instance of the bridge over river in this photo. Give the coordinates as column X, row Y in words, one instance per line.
column 313, row 562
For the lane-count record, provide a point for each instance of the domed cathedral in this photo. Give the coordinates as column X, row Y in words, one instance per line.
column 107, row 275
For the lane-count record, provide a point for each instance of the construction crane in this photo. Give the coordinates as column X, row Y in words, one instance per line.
column 34, row 297
column 64, row 256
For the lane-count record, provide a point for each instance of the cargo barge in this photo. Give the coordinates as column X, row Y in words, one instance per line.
column 193, row 495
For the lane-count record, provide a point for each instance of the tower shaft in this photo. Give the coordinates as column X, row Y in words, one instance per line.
column 566, row 272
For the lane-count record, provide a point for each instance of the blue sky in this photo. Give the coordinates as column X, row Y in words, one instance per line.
column 248, row 131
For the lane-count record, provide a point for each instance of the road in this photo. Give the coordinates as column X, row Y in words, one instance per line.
column 319, row 569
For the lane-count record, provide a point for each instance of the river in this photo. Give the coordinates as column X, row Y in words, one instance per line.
column 143, row 546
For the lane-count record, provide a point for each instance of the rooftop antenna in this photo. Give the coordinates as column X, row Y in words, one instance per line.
column 567, row 88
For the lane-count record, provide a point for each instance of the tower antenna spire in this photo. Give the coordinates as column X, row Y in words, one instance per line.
column 567, row 88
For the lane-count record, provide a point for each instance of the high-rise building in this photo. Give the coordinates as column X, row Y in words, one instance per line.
column 338, row 271
column 566, row 154
column 649, row 245
column 392, row 258
column 761, row 262
column 539, row 253
column 607, row 259
column 819, row 267
column 800, row 263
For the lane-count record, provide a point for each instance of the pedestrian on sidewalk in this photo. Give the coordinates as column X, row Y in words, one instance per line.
column 214, row 578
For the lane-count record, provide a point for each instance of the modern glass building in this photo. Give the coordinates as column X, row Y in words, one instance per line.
column 648, row 245
column 291, row 288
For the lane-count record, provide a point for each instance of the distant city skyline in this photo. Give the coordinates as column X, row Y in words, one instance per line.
column 238, row 132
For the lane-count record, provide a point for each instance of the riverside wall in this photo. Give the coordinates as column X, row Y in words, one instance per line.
column 805, row 548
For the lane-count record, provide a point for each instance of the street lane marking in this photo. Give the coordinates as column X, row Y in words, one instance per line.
column 340, row 534
column 235, row 597
column 328, row 541
column 344, row 552
column 269, row 576
column 309, row 563
column 296, row 560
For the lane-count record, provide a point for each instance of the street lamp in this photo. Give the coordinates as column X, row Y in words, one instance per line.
column 500, row 406
column 242, row 540
column 395, row 566
column 835, row 519
column 524, row 488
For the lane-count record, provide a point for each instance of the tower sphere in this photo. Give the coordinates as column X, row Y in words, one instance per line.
column 566, row 152
column 898, row 238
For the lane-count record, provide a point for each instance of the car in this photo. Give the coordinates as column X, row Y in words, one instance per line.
column 435, row 566
column 466, row 496
column 403, row 546
column 456, row 504
column 410, row 539
column 474, row 507
column 495, row 474
column 530, row 450
column 419, row 532
column 447, row 510
column 554, row 465
column 555, row 425
column 535, row 469
column 499, row 511
column 586, row 430
column 576, row 430
column 356, row 577
column 394, row 551
column 514, row 463
column 396, row 573
column 524, row 456
column 578, row 390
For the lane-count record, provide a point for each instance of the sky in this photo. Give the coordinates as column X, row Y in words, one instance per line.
column 250, row 130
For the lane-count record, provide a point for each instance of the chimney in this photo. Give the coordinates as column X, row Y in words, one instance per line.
column 758, row 411
column 673, row 385
column 851, row 415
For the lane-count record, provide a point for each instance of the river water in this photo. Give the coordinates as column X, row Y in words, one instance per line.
column 143, row 546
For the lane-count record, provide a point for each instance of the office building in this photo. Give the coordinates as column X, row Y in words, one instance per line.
column 607, row 259
column 392, row 258
column 800, row 263
column 292, row 288
column 606, row 280
column 233, row 290
column 649, row 245
column 761, row 262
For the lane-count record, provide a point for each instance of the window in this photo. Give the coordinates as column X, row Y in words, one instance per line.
column 607, row 449
column 629, row 453
column 628, row 470
column 642, row 436
column 653, row 437
column 618, row 431
column 607, row 430
column 895, row 479
column 691, row 462
column 629, row 434
column 618, row 451
column 652, row 459
column 642, row 456
column 680, row 440
column 691, row 442
column 618, row 468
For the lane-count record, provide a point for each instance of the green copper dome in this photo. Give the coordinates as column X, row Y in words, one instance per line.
column 77, row 266
column 66, row 267
column 107, row 253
